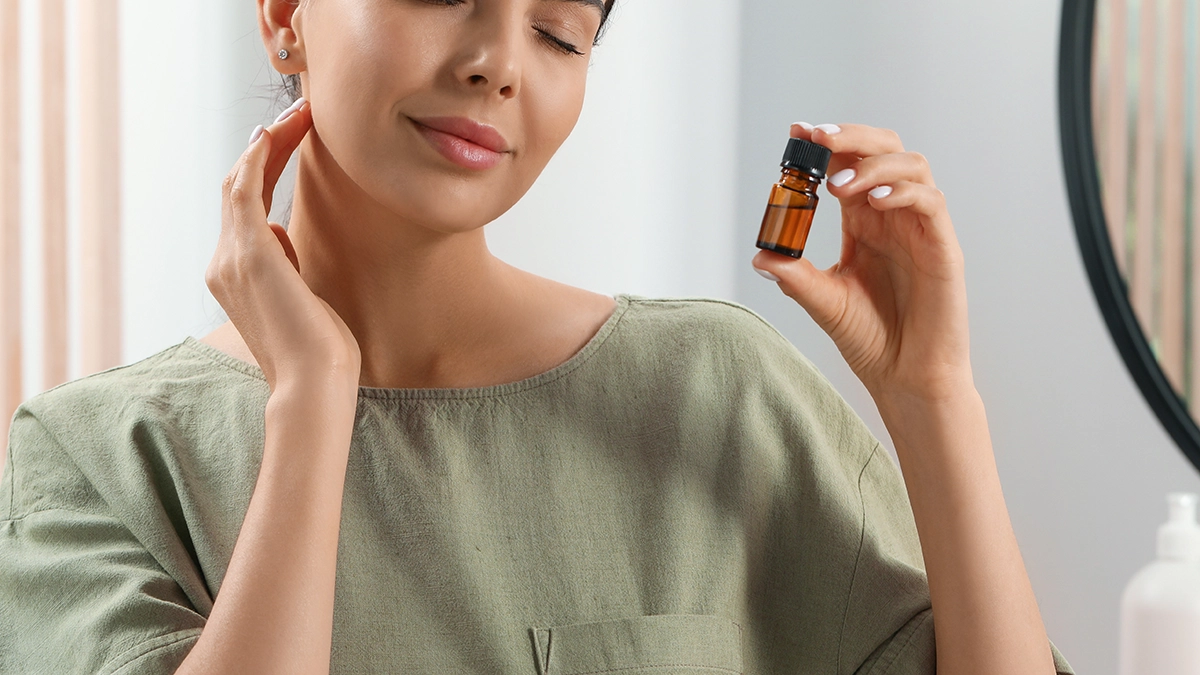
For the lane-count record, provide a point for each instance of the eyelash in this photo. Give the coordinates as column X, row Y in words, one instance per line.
column 559, row 44
column 565, row 47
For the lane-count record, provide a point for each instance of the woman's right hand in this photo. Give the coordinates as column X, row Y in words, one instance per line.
column 255, row 274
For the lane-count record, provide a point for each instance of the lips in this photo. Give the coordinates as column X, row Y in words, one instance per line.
column 463, row 141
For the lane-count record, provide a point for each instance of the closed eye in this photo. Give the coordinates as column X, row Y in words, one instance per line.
column 558, row 43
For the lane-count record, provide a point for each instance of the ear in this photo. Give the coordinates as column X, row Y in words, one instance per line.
column 279, row 24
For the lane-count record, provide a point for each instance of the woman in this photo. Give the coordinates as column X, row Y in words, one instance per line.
column 402, row 455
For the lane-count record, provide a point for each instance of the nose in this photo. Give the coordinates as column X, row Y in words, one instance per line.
column 491, row 58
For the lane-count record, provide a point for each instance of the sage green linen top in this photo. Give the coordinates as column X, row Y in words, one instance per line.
column 685, row 494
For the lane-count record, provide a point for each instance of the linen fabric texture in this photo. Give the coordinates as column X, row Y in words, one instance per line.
column 686, row 494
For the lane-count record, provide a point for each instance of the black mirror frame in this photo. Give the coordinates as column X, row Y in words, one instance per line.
column 1091, row 229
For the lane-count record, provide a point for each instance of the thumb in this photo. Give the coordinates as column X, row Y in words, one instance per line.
column 819, row 292
column 288, row 249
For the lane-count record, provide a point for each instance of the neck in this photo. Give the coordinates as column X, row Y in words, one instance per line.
column 418, row 301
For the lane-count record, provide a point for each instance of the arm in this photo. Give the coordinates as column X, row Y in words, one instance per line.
column 274, row 610
column 895, row 304
column 985, row 615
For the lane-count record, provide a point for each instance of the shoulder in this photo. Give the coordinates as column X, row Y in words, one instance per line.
column 103, row 395
column 101, row 434
column 725, row 352
column 162, row 384
column 721, row 329
column 701, row 312
column 163, row 399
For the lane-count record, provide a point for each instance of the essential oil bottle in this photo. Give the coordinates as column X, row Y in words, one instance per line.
column 793, row 200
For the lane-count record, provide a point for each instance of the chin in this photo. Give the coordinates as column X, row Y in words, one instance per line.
column 450, row 213
column 451, row 204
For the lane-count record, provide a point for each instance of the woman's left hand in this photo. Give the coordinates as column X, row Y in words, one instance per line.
column 896, row 306
column 895, row 303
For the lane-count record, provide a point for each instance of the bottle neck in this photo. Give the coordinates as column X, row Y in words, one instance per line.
column 797, row 180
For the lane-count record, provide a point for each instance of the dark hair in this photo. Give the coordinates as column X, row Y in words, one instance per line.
column 291, row 83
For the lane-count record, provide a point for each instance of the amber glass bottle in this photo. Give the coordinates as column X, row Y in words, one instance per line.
column 793, row 200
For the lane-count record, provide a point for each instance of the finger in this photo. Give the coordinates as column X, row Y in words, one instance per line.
column 227, row 186
column 288, row 249
column 288, row 131
column 802, row 130
column 805, row 131
column 852, row 142
column 924, row 200
column 817, row 291
column 243, row 201
column 858, row 140
column 851, row 184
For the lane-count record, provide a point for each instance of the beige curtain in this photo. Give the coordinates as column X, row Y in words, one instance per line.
column 99, row 172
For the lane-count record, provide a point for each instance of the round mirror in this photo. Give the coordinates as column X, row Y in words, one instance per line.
column 1128, row 72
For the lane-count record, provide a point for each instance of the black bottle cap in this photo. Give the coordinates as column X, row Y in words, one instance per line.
column 806, row 156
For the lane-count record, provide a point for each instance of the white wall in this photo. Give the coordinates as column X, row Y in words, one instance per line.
column 972, row 85
column 179, row 106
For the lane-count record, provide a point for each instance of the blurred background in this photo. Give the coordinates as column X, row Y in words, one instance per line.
column 659, row 192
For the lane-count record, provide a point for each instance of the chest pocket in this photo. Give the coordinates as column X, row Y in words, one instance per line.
column 661, row 644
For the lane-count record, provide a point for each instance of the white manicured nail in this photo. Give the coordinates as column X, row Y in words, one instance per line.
column 881, row 191
column 287, row 112
column 766, row 274
column 804, row 125
column 255, row 134
column 842, row 177
column 830, row 129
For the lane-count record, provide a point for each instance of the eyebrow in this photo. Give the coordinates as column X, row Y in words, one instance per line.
column 598, row 4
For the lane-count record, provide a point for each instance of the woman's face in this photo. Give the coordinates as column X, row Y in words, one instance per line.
column 396, row 85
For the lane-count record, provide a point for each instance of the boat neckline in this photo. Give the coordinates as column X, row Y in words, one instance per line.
column 623, row 300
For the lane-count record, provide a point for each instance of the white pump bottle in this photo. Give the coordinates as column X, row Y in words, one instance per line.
column 1160, row 608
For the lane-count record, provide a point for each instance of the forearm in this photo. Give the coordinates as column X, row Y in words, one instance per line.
column 274, row 610
column 986, row 618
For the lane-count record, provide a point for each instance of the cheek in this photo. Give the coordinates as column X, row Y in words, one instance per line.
column 359, row 98
column 356, row 94
column 551, row 113
column 354, row 87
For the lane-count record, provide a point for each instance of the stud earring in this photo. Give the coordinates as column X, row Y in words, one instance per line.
column 283, row 54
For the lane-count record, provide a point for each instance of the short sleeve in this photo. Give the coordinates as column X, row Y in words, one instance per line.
column 843, row 573
column 79, row 592
column 889, row 575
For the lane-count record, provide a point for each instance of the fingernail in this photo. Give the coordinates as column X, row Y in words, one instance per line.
column 257, row 132
column 830, row 129
column 881, row 191
column 842, row 177
column 289, row 110
column 804, row 125
column 766, row 274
